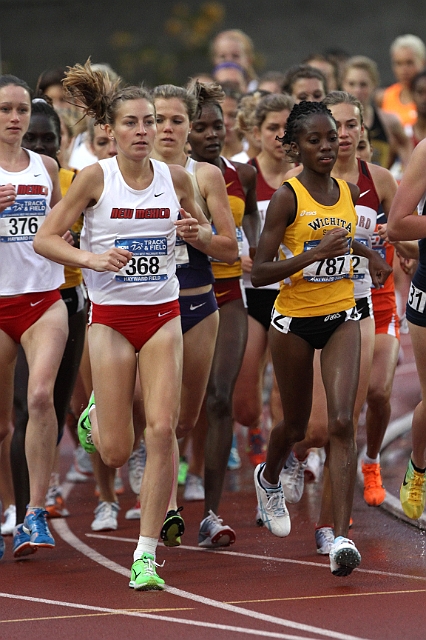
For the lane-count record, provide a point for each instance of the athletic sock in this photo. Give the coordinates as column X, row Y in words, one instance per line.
column 265, row 484
column 368, row 460
column 145, row 545
column 417, row 468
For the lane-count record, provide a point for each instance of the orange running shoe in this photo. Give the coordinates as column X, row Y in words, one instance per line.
column 374, row 491
column 55, row 504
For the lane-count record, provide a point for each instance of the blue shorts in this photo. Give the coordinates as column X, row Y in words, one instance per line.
column 193, row 309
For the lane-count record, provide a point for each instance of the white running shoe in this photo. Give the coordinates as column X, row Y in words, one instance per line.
column 105, row 517
column 324, row 538
column 194, row 488
column 293, row 478
column 344, row 557
column 314, row 466
column 134, row 513
column 9, row 521
column 81, row 469
column 136, row 467
column 272, row 509
column 213, row 533
column 234, row 460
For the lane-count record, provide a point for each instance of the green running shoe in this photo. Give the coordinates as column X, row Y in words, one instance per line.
column 173, row 528
column 84, row 427
column 143, row 575
column 183, row 470
column 413, row 492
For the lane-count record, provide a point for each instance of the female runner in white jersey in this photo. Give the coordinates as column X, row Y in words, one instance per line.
column 32, row 312
column 131, row 205
column 175, row 109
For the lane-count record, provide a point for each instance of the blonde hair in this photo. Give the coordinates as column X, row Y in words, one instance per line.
column 246, row 112
column 169, row 91
column 343, row 97
column 244, row 40
column 271, row 103
column 364, row 63
column 412, row 42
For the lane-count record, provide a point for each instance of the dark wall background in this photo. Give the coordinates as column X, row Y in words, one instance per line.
column 168, row 40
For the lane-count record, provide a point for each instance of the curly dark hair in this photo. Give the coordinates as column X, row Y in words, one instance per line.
column 206, row 93
column 298, row 116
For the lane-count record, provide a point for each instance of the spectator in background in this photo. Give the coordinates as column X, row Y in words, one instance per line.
column 271, row 81
column 417, row 131
column 360, row 77
column 233, row 45
column 327, row 66
column 408, row 56
column 230, row 73
column 305, row 83
column 49, row 84
column 245, row 123
column 233, row 138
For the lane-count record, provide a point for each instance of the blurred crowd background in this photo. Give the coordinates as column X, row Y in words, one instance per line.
column 168, row 41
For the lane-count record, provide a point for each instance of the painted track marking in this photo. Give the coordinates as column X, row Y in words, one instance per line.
column 125, row 612
column 61, row 527
column 269, row 558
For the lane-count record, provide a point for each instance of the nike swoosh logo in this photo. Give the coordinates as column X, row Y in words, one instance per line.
column 34, row 304
column 160, row 315
column 36, row 175
column 196, row 306
column 229, row 184
column 156, row 195
column 137, row 574
column 364, row 193
column 223, row 293
column 404, row 482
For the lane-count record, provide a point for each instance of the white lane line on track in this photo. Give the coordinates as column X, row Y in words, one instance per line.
column 61, row 527
column 137, row 614
column 268, row 558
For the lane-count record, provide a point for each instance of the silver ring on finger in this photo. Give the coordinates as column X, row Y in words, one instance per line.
column 190, row 228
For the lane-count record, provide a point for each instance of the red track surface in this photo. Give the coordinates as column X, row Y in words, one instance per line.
column 261, row 587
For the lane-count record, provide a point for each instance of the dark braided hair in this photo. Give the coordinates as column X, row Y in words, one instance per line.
column 298, row 116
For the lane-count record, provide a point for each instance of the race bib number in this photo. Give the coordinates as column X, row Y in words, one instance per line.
column 416, row 299
column 360, row 264
column 239, row 234
column 149, row 260
column 21, row 221
column 327, row 270
column 181, row 253
column 381, row 250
